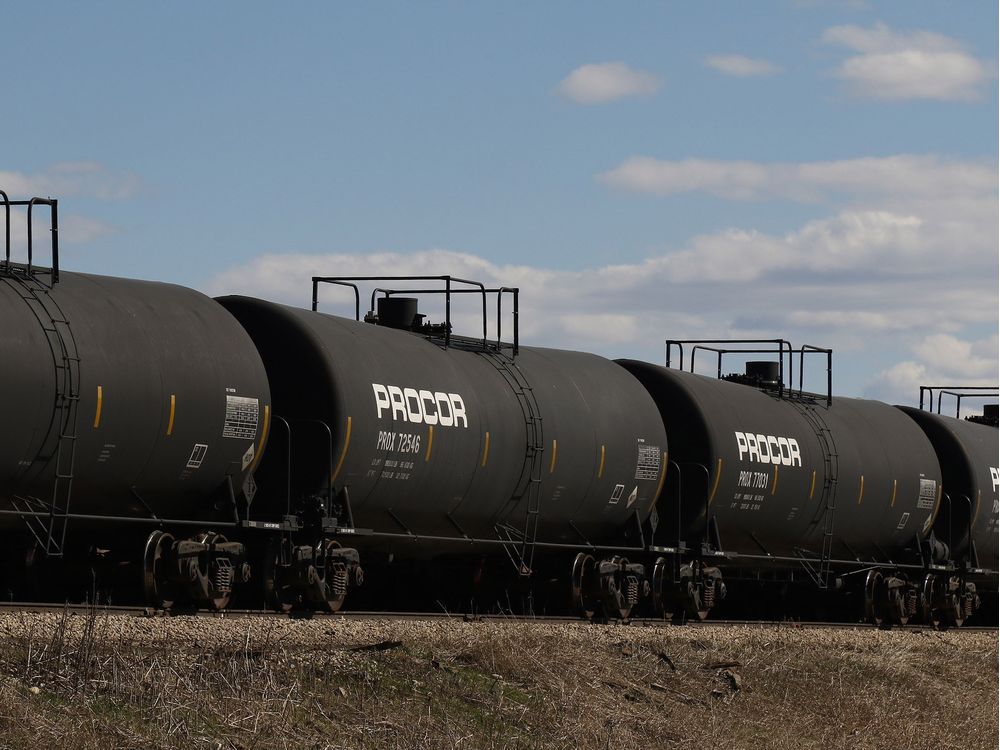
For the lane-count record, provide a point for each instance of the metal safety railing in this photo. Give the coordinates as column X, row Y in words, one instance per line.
column 452, row 286
column 29, row 267
column 958, row 392
column 781, row 348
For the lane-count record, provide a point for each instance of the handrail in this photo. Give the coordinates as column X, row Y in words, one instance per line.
column 959, row 392
column 448, row 290
column 357, row 294
column 829, row 369
column 6, row 204
column 783, row 347
column 53, row 205
column 513, row 291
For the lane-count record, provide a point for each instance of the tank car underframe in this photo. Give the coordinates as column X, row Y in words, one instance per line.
column 693, row 582
column 689, row 579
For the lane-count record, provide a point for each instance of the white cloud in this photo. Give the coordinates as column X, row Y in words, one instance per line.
column 74, row 229
column 597, row 83
column 77, row 229
column 63, row 180
column 741, row 66
column 904, row 266
column 942, row 360
column 952, row 357
column 71, row 179
column 908, row 65
column 906, row 174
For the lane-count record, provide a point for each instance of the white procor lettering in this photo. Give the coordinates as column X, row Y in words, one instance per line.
column 768, row 449
column 420, row 406
column 398, row 402
column 741, row 442
column 413, row 412
column 458, row 406
column 429, row 412
column 786, row 451
column 774, row 448
column 445, row 412
column 995, row 476
column 795, row 458
column 381, row 398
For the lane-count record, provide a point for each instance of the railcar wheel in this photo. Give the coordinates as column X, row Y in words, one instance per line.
column 662, row 605
column 159, row 591
column 874, row 596
column 941, row 605
column 582, row 585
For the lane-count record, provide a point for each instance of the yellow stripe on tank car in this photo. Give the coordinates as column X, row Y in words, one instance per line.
column 600, row 469
column 861, row 490
column 555, row 454
column 715, row 484
column 663, row 477
column 774, row 487
column 100, row 406
column 343, row 452
column 812, row 487
column 430, row 443
column 486, row 449
column 263, row 438
column 892, row 503
column 173, row 410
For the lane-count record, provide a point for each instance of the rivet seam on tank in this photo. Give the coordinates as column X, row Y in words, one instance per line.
column 555, row 455
column 715, row 484
column 173, row 410
column 812, row 487
column 263, row 438
column 774, row 485
column 430, row 443
column 892, row 503
column 861, row 489
column 343, row 452
column 100, row 405
column 600, row 469
column 486, row 449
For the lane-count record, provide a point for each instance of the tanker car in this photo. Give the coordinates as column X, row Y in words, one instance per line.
column 210, row 449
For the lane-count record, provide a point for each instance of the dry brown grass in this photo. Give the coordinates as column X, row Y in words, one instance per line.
column 104, row 681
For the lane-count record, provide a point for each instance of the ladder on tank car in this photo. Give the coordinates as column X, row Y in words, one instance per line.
column 47, row 521
column 520, row 543
column 827, row 508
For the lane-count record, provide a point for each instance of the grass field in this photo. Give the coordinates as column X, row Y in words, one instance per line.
column 97, row 681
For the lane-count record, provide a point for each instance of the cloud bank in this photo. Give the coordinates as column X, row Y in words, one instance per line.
column 741, row 66
column 893, row 65
column 87, row 180
column 598, row 83
column 80, row 179
column 907, row 272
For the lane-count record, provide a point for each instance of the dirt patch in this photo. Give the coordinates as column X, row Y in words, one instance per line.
column 112, row 681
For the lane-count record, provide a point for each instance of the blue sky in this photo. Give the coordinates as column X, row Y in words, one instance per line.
column 823, row 171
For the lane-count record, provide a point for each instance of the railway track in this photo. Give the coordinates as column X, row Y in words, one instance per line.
column 642, row 622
